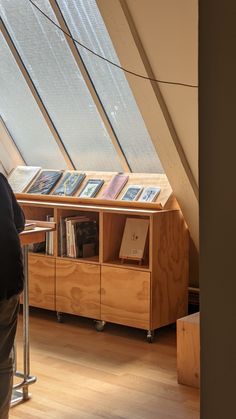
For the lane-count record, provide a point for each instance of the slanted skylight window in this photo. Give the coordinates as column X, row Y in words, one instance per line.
column 53, row 69
column 60, row 84
column 86, row 25
column 22, row 116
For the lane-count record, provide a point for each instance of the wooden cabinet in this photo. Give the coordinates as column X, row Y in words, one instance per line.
column 78, row 288
column 42, row 281
column 125, row 296
column 148, row 295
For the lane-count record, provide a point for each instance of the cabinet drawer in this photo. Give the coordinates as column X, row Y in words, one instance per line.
column 78, row 288
column 125, row 296
column 41, row 281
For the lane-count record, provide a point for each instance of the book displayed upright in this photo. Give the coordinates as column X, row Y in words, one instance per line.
column 134, row 239
column 69, row 183
column 91, row 188
column 45, row 182
column 22, row 176
column 132, row 193
column 115, row 186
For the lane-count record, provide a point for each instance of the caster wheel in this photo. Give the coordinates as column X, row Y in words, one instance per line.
column 99, row 325
column 59, row 317
column 150, row 336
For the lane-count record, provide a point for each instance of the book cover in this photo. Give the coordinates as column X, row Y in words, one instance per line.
column 69, row 184
column 45, row 182
column 70, row 223
column 115, row 186
column 86, row 238
column 132, row 193
column 149, row 194
column 134, row 239
column 22, row 176
column 91, row 188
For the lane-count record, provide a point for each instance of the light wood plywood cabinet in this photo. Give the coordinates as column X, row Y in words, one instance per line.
column 78, row 288
column 42, row 281
column 125, row 296
column 146, row 295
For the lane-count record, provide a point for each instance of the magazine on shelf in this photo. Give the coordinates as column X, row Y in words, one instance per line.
column 149, row 194
column 132, row 193
column 69, row 184
column 115, row 186
column 45, row 182
column 91, row 188
column 134, row 239
column 22, row 176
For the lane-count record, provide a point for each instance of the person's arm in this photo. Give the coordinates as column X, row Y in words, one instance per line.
column 19, row 216
column 8, row 201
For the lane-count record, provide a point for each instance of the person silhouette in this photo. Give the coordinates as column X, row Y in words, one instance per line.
column 12, row 221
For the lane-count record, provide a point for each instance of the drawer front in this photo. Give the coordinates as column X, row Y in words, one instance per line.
column 78, row 288
column 125, row 297
column 41, row 271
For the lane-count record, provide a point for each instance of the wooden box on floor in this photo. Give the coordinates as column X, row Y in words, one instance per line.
column 188, row 350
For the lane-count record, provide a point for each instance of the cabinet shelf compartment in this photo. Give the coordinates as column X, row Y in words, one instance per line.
column 113, row 229
column 90, row 248
column 43, row 213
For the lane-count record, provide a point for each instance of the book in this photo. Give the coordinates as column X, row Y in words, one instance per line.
column 132, row 193
column 91, row 188
column 45, row 182
column 69, row 184
column 70, row 247
column 115, row 186
column 78, row 237
column 134, row 239
column 22, row 176
column 86, row 238
column 149, row 194
column 49, row 237
column 29, row 226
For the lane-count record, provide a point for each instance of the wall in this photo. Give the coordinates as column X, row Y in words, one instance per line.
column 217, row 207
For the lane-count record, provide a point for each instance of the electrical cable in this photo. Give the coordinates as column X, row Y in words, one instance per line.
column 106, row 59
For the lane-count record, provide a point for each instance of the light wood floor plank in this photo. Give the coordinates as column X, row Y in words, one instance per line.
column 114, row 374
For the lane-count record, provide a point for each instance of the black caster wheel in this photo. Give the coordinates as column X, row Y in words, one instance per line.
column 59, row 317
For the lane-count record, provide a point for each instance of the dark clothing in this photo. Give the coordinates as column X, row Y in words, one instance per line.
column 12, row 222
column 8, row 322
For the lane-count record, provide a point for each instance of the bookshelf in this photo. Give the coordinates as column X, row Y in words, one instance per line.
column 103, row 287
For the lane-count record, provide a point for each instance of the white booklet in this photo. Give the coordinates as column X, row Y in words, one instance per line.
column 21, row 177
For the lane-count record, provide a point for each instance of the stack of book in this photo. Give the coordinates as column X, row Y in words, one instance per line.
column 49, row 238
column 78, row 237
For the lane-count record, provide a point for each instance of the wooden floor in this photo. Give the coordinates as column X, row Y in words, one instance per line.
column 114, row 374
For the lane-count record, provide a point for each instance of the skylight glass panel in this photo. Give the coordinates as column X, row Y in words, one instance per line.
column 60, row 84
column 87, row 26
column 22, row 116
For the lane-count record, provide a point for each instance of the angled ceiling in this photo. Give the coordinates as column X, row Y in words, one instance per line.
column 75, row 102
